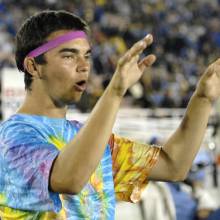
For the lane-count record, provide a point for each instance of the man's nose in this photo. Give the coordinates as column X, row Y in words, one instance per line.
column 83, row 64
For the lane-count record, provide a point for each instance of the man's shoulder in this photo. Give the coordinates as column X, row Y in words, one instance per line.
column 8, row 122
column 15, row 119
column 18, row 124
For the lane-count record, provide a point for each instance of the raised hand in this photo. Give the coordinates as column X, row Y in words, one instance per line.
column 209, row 84
column 129, row 69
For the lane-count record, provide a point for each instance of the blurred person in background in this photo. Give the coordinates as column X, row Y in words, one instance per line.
column 53, row 168
column 187, row 200
column 192, row 199
column 186, row 31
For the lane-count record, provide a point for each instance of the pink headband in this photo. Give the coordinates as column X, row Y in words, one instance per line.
column 56, row 42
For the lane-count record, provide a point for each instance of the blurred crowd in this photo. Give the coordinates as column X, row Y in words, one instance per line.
column 186, row 39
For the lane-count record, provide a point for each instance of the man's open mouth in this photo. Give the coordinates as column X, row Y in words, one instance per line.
column 81, row 85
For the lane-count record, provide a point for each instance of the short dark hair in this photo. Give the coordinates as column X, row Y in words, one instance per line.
column 36, row 29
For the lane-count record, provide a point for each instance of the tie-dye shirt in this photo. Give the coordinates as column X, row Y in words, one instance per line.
column 28, row 146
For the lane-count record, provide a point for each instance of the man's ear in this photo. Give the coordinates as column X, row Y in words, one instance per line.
column 31, row 66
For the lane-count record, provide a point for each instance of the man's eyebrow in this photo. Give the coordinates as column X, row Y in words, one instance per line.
column 73, row 50
column 89, row 51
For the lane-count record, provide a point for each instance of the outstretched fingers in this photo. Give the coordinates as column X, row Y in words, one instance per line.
column 217, row 67
column 213, row 69
column 146, row 62
column 135, row 50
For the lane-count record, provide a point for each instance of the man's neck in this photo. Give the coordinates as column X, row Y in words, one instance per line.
column 38, row 106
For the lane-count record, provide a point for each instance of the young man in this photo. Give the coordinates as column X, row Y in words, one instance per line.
column 51, row 168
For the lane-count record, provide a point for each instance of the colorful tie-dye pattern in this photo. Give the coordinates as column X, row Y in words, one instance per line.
column 28, row 146
column 131, row 163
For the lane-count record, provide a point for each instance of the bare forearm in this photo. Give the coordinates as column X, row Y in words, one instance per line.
column 183, row 145
column 81, row 156
column 179, row 151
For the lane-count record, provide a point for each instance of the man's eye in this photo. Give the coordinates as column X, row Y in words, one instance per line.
column 88, row 56
column 68, row 57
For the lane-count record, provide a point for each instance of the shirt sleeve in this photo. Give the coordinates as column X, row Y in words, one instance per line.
column 26, row 159
column 131, row 163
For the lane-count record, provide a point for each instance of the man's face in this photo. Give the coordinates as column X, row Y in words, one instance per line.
column 65, row 75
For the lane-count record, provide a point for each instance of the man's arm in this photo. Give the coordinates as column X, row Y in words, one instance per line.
column 79, row 158
column 179, row 151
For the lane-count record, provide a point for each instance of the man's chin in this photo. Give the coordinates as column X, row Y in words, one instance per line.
column 74, row 100
column 70, row 100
